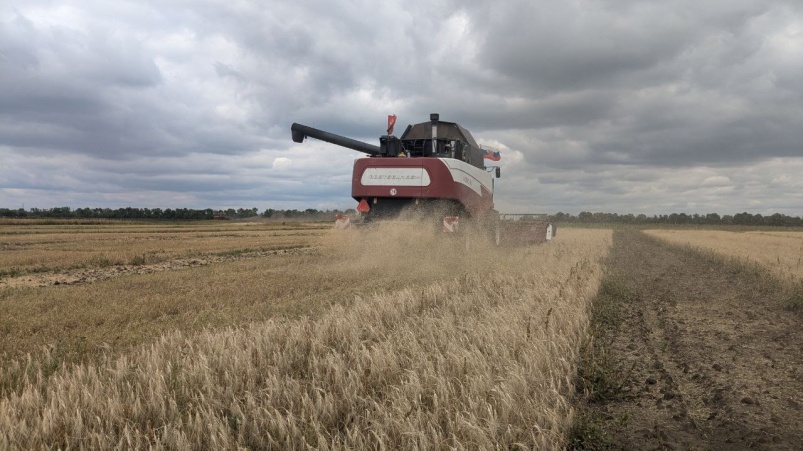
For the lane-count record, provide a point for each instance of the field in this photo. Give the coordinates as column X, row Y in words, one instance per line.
column 780, row 252
column 697, row 343
column 266, row 335
column 288, row 336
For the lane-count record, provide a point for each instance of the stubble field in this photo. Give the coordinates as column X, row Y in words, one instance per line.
column 270, row 336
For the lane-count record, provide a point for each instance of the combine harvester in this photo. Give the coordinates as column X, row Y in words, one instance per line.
column 436, row 170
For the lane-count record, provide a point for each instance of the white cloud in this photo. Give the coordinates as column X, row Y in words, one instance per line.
column 282, row 163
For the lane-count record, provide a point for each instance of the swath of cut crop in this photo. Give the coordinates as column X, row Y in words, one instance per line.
column 32, row 250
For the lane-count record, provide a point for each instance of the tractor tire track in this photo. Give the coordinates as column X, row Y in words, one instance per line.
column 716, row 360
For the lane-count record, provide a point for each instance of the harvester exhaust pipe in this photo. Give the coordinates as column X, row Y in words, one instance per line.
column 434, row 117
column 300, row 132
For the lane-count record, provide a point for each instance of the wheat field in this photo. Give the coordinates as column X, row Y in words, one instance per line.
column 781, row 252
column 386, row 339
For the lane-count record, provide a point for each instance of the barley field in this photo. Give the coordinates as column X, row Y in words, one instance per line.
column 781, row 252
column 388, row 338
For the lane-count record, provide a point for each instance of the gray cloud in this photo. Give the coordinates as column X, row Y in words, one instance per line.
column 605, row 106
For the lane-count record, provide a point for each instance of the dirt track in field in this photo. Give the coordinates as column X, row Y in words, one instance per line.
column 717, row 362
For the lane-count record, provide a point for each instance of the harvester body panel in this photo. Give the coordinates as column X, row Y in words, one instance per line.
column 407, row 180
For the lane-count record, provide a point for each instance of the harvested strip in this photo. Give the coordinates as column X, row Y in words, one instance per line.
column 90, row 275
column 712, row 356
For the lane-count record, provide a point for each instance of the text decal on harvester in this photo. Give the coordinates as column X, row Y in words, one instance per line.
column 395, row 177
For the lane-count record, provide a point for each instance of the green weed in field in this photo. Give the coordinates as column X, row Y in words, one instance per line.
column 599, row 375
column 11, row 272
column 795, row 300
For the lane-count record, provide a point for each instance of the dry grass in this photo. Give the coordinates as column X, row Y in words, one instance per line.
column 411, row 342
column 779, row 252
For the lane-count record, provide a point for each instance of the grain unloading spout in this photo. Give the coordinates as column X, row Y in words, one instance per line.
column 300, row 132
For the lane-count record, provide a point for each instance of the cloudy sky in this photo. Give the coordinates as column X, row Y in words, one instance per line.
column 621, row 106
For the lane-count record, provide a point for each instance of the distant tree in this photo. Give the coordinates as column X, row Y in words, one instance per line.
column 743, row 218
column 561, row 217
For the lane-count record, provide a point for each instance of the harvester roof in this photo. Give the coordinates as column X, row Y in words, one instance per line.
column 449, row 131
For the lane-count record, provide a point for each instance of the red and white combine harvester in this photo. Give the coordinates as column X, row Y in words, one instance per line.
column 436, row 170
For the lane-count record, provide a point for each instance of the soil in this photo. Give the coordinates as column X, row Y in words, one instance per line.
column 95, row 274
column 716, row 359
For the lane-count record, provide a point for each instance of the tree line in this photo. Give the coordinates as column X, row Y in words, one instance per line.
column 311, row 214
column 744, row 218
